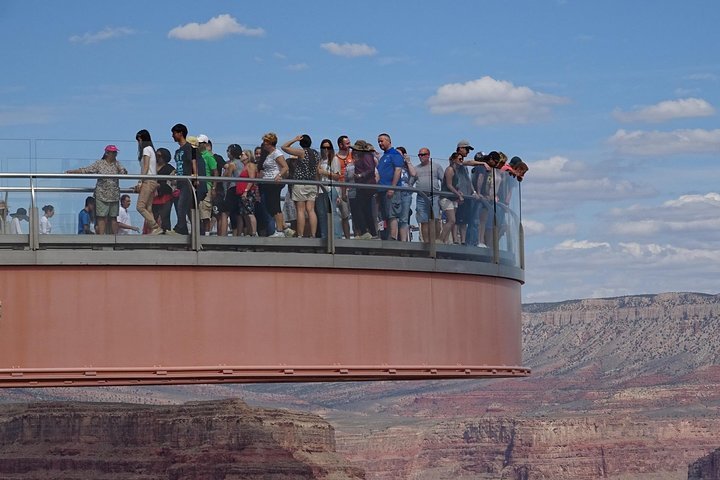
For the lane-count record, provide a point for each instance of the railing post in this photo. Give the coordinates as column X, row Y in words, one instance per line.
column 330, row 221
column 195, row 241
column 521, row 245
column 495, row 237
column 34, row 226
column 431, row 227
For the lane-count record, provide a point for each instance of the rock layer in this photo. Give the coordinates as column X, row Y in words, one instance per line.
column 206, row 440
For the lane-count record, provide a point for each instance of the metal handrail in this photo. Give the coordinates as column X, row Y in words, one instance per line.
column 195, row 238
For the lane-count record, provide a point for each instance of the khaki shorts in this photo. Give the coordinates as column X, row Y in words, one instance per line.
column 344, row 208
column 107, row 209
column 205, row 208
column 304, row 193
column 447, row 204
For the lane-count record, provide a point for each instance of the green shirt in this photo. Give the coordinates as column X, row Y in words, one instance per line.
column 210, row 165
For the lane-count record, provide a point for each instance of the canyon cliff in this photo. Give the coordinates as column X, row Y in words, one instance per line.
column 198, row 440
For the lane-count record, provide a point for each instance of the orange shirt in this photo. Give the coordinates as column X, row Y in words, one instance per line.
column 344, row 162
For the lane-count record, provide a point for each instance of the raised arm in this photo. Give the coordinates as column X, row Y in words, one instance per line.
column 294, row 151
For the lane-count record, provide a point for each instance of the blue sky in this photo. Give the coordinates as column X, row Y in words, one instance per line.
column 613, row 104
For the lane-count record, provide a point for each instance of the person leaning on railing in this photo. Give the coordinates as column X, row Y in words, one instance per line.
column 107, row 190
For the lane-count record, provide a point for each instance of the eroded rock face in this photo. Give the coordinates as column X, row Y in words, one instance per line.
column 706, row 468
column 207, row 440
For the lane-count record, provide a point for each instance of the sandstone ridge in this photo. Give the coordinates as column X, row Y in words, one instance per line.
column 213, row 440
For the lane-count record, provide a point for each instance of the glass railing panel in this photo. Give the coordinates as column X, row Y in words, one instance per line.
column 496, row 222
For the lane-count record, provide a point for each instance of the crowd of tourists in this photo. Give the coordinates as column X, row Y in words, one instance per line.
column 458, row 199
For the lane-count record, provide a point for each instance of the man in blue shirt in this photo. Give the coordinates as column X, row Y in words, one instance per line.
column 389, row 168
column 85, row 217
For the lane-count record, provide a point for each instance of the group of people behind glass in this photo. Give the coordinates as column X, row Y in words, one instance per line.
column 459, row 200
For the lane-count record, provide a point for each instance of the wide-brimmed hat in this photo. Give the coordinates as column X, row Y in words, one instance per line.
column 363, row 146
column 21, row 213
column 193, row 141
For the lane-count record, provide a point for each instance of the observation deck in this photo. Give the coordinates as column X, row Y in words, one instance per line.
column 78, row 310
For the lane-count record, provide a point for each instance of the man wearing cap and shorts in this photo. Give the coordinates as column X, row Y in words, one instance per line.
column 389, row 168
column 428, row 179
column 211, row 169
column 468, row 210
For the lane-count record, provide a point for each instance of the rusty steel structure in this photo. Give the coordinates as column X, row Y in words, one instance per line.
column 97, row 310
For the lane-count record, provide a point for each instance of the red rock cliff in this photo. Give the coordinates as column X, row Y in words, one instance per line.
column 202, row 440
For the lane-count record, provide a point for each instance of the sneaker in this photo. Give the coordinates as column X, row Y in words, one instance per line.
column 157, row 231
column 482, row 245
column 254, row 235
column 173, row 232
column 289, row 232
column 277, row 234
column 366, row 236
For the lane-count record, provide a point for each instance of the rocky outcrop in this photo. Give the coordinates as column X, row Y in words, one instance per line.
column 207, row 440
column 706, row 468
column 578, row 448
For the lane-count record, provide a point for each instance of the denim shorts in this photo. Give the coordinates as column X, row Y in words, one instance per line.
column 390, row 207
column 405, row 202
column 423, row 206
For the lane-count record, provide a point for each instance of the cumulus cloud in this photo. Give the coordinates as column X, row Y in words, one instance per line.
column 533, row 227
column 580, row 245
column 104, row 34
column 691, row 219
column 492, row 101
column 656, row 143
column 588, row 268
column 349, row 50
column 214, row 29
column 662, row 245
column 667, row 110
column 560, row 184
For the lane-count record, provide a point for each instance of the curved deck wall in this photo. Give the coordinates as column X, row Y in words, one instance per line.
column 115, row 324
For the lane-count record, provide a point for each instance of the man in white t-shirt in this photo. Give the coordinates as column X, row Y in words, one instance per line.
column 123, row 220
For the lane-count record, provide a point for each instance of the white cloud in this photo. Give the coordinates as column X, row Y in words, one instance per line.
column 349, row 50
column 280, row 56
column 667, row 110
column 296, row 67
column 492, row 101
column 558, row 184
column 641, row 142
column 580, row 245
column 104, row 34
column 595, row 268
column 214, row 29
column 533, row 227
column 692, row 219
column 711, row 200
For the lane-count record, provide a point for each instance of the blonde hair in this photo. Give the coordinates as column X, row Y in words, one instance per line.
column 270, row 138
